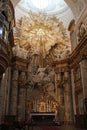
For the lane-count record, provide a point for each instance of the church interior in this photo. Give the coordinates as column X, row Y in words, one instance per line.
column 43, row 62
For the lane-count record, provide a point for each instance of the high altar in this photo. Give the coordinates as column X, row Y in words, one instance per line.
column 42, row 86
column 43, row 70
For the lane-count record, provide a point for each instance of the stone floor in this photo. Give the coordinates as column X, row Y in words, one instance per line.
column 69, row 127
column 64, row 127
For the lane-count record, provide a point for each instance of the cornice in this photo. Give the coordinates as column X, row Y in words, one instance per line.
column 16, row 58
column 81, row 50
column 64, row 61
column 61, row 66
column 75, row 57
column 19, row 63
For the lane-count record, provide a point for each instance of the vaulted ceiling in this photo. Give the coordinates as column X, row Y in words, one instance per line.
column 45, row 30
column 65, row 10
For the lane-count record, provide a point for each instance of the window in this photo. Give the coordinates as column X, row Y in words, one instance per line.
column 1, row 30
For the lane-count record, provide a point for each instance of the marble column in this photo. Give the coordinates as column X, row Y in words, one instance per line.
column 67, row 100
column 0, row 84
column 35, row 105
column 0, row 100
column 58, row 80
column 55, row 87
column 8, row 90
column 73, row 95
column 4, row 93
column 83, row 66
column 14, row 93
column 21, row 103
column 47, row 109
column 59, row 95
column 22, row 96
column 0, row 80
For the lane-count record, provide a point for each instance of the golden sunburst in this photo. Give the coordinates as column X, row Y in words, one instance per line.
column 40, row 33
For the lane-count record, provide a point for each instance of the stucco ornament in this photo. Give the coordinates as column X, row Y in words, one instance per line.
column 39, row 32
column 82, row 30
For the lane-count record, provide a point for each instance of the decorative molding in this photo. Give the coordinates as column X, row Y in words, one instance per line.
column 82, row 30
column 42, row 35
column 19, row 63
column 79, row 51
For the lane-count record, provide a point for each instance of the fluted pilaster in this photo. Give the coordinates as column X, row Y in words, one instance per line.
column 83, row 66
column 14, row 93
column 67, row 100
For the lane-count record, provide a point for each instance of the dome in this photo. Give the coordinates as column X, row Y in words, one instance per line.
column 59, row 8
column 48, row 6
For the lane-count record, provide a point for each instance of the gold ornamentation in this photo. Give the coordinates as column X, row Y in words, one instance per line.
column 82, row 30
column 38, row 33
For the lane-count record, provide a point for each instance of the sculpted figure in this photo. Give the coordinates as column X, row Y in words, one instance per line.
column 82, row 30
column 2, row 5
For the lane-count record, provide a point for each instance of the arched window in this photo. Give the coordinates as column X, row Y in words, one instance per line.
column 3, row 28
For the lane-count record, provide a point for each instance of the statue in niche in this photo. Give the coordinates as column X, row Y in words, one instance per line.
column 54, row 107
column 73, row 39
column 82, row 30
column 3, row 5
column 42, row 107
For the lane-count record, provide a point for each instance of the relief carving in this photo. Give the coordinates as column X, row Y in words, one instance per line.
column 41, row 35
column 3, row 5
column 82, row 30
column 41, row 78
